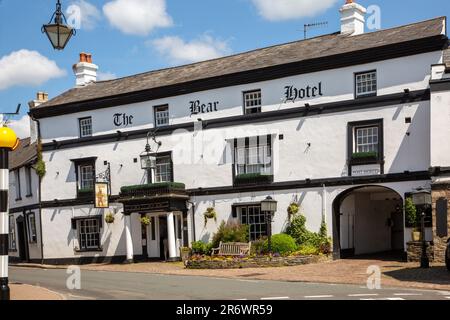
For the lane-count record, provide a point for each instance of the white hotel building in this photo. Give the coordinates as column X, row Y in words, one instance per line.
column 346, row 125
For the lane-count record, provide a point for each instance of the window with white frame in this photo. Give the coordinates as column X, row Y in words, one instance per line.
column 255, row 219
column 28, row 181
column 12, row 233
column 86, row 177
column 253, row 159
column 88, row 234
column 32, row 235
column 252, row 102
column 17, row 184
column 85, row 127
column 366, row 139
column 162, row 116
column 366, row 83
column 163, row 169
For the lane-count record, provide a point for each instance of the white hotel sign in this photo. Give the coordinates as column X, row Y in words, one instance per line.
column 366, row 170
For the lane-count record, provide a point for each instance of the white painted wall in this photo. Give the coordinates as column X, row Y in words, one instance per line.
column 24, row 201
column 393, row 76
column 440, row 120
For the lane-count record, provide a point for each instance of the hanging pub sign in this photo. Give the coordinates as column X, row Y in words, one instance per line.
column 101, row 195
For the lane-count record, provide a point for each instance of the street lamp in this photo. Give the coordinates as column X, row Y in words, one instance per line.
column 148, row 160
column 269, row 207
column 57, row 30
column 423, row 198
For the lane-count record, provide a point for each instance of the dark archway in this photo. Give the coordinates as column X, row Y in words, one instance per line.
column 396, row 227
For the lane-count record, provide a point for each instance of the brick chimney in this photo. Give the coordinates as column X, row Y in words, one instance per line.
column 85, row 71
column 352, row 18
column 41, row 97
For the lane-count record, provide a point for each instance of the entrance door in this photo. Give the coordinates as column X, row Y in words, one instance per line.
column 153, row 238
column 163, row 243
column 347, row 223
column 22, row 237
column 178, row 232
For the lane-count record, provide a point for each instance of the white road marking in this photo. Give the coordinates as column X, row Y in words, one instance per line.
column 407, row 294
column 369, row 299
column 363, row 295
column 447, row 297
column 275, row 298
column 319, row 297
column 395, row 299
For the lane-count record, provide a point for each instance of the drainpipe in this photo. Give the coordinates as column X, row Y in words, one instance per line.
column 324, row 203
column 39, row 190
column 193, row 220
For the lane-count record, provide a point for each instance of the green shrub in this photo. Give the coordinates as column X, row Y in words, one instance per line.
column 230, row 232
column 308, row 250
column 411, row 213
column 199, row 247
column 257, row 247
column 281, row 243
column 303, row 237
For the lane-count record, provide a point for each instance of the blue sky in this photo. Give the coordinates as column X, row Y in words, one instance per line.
column 133, row 36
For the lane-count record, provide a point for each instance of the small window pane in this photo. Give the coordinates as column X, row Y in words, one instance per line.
column 85, row 127
column 252, row 102
column 367, row 139
column 366, row 83
column 89, row 234
column 161, row 116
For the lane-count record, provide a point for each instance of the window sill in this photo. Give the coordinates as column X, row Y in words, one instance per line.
column 29, row 196
column 368, row 95
column 88, row 250
column 18, row 199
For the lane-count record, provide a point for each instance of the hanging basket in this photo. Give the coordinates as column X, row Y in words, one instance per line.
column 210, row 214
column 145, row 221
column 293, row 209
column 109, row 218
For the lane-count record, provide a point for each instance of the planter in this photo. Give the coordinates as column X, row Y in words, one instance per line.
column 185, row 254
column 364, row 157
column 210, row 214
column 252, row 179
column 416, row 235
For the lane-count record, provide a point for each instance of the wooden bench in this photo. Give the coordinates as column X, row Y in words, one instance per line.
column 232, row 249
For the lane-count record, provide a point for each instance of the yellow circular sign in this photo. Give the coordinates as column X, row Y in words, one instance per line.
column 8, row 139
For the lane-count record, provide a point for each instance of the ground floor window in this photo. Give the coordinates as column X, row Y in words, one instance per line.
column 12, row 233
column 254, row 218
column 32, row 235
column 89, row 234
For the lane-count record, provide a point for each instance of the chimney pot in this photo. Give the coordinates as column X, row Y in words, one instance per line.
column 85, row 71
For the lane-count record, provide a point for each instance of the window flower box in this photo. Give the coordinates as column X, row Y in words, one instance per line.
column 252, row 179
column 364, row 157
column 85, row 193
column 153, row 189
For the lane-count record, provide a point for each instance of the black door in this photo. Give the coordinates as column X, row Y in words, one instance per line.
column 163, row 247
column 22, row 237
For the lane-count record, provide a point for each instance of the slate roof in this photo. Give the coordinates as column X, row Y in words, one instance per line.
column 26, row 153
column 319, row 47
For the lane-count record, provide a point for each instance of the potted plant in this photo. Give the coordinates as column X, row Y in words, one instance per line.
column 185, row 254
column 145, row 221
column 109, row 218
column 411, row 219
column 362, row 157
column 210, row 214
column 293, row 209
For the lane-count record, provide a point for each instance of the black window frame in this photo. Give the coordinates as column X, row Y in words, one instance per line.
column 12, row 239
column 167, row 154
column 154, row 115
column 80, row 163
column 76, row 226
column 355, row 85
column 32, row 238
column 18, row 185
column 351, row 143
column 244, row 101
column 262, row 215
column 79, row 127
column 269, row 178
column 29, row 181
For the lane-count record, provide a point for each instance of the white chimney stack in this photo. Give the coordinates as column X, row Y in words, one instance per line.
column 352, row 18
column 85, row 71
column 41, row 97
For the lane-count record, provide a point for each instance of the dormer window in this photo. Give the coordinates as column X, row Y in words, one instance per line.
column 252, row 102
column 366, row 84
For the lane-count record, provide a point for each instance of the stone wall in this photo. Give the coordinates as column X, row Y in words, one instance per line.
column 257, row 262
column 414, row 251
column 438, row 192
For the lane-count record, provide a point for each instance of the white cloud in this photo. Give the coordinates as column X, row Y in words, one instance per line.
column 137, row 17
column 277, row 10
column 24, row 67
column 179, row 51
column 82, row 15
column 21, row 127
column 103, row 76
